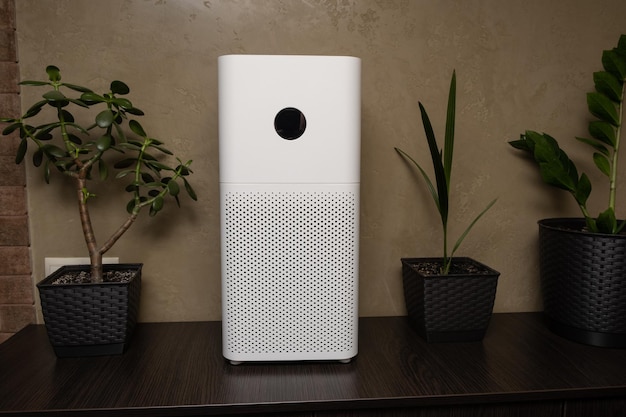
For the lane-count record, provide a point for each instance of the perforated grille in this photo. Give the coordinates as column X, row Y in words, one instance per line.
column 290, row 271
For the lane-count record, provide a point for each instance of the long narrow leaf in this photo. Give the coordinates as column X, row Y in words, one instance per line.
column 440, row 176
column 448, row 147
column 460, row 240
column 429, row 183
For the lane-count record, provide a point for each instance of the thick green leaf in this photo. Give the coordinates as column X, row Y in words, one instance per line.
column 35, row 109
column 33, row 83
column 103, row 143
column 105, row 118
column 614, row 63
column 602, row 163
column 173, row 188
column 603, row 131
column 92, row 97
column 135, row 111
column 122, row 174
column 54, row 95
column 125, row 163
column 11, row 128
column 190, row 190
column 603, row 108
column 119, row 87
column 122, row 102
column 103, row 169
column 606, row 221
column 78, row 88
column 38, row 157
column 54, row 151
column 135, row 126
column 74, row 139
column 54, row 74
column 595, row 145
column 67, row 116
column 21, row 151
column 583, row 190
column 147, row 178
column 157, row 204
column 607, row 84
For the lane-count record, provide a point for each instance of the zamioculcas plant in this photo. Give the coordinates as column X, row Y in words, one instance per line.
column 78, row 152
column 558, row 170
column 442, row 166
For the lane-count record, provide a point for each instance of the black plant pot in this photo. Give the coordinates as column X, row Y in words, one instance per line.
column 90, row 319
column 449, row 308
column 583, row 282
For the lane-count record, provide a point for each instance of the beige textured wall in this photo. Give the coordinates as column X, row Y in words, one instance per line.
column 520, row 64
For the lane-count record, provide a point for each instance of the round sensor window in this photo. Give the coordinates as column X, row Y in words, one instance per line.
column 290, row 123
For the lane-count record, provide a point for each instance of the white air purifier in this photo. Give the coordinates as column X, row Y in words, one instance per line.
column 289, row 152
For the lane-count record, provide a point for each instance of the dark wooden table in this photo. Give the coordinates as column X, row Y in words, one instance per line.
column 177, row 369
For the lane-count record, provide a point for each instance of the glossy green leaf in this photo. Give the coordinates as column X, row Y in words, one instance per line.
column 92, row 97
column 35, row 109
column 614, row 63
column 103, row 169
column 125, row 163
column 11, row 128
column 33, row 83
column 105, row 118
column 74, row 139
column 603, row 131
column 607, row 84
column 606, row 221
column 602, row 163
column 595, row 145
column 190, row 190
column 147, row 178
column 122, row 174
column 21, row 151
column 135, row 111
column 78, row 88
column 54, row 151
column 122, row 102
column 603, row 108
column 38, row 157
column 54, row 74
column 119, row 87
column 157, row 204
column 103, row 143
column 54, row 95
column 135, row 126
column 67, row 116
column 173, row 188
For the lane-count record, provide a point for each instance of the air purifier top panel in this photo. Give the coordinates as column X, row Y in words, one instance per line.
column 289, row 118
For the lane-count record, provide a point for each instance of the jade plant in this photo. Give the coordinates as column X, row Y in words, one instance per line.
column 112, row 146
column 442, row 167
column 606, row 106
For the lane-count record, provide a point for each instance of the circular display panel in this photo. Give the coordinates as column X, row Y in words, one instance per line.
column 290, row 123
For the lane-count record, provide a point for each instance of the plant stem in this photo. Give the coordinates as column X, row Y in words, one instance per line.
column 613, row 178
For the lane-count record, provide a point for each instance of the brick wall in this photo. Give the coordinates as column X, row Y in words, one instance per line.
column 16, row 289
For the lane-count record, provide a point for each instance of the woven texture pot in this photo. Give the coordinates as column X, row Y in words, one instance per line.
column 583, row 282
column 449, row 308
column 90, row 319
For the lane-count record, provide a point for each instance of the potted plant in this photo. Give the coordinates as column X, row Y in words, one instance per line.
column 448, row 299
column 92, row 309
column 583, row 260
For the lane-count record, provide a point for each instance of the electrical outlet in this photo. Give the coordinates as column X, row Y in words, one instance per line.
column 52, row 264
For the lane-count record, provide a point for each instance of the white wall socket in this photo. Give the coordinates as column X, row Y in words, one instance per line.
column 52, row 264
